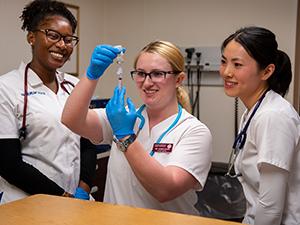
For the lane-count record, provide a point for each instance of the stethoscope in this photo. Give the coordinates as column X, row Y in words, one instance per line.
column 23, row 129
column 142, row 123
column 240, row 140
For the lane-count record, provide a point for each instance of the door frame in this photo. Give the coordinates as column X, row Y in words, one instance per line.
column 296, row 98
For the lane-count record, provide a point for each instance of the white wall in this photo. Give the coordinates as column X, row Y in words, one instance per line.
column 134, row 23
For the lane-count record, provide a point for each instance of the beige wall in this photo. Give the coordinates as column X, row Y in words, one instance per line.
column 133, row 23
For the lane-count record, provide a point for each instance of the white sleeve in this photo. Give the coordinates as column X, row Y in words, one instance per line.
column 8, row 113
column 275, row 132
column 272, row 192
column 194, row 152
column 106, row 128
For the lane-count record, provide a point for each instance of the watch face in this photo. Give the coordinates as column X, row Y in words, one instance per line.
column 122, row 146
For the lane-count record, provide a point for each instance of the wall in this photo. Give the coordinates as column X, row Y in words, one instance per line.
column 133, row 23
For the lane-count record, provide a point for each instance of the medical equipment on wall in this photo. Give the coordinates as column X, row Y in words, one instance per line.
column 23, row 129
column 196, row 101
column 119, row 61
column 202, row 66
column 189, row 55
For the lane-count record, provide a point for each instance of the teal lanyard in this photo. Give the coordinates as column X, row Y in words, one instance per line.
column 166, row 131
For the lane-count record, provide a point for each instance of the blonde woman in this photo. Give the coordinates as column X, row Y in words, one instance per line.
column 160, row 153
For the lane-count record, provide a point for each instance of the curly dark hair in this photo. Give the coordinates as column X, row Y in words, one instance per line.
column 38, row 10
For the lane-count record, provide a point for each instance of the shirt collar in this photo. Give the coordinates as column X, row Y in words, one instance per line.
column 34, row 79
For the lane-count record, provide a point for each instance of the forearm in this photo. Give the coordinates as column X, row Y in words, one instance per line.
column 21, row 174
column 163, row 183
column 272, row 192
column 75, row 113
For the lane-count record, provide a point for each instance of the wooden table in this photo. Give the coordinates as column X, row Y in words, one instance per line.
column 52, row 210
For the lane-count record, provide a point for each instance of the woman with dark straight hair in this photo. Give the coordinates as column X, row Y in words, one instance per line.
column 266, row 155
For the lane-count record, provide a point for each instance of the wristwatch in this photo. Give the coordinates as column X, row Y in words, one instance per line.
column 123, row 145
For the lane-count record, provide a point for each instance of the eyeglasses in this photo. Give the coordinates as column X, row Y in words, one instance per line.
column 155, row 76
column 54, row 36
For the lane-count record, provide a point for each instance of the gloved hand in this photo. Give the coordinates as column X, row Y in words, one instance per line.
column 102, row 57
column 80, row 193
column 121, row 120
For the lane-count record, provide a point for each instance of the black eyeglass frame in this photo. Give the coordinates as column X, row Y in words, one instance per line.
column 74, row 38
column 152, row 72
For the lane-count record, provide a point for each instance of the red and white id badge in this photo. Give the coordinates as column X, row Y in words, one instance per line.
column 162, row 147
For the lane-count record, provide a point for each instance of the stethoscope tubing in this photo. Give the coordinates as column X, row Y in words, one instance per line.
column 240, row 139
column 23, row 129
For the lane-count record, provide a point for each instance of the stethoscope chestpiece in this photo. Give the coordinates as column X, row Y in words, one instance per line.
column 22, row 133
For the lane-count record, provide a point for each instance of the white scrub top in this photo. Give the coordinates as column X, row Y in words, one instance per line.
column 273, row 137
column 192, row 151
column 49, row 146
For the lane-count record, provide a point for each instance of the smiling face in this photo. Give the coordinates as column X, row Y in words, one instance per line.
column 48, row 55
column 157, row 95
column 241, row 74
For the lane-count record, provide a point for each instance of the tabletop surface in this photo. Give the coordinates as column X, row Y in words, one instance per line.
column 53, row 210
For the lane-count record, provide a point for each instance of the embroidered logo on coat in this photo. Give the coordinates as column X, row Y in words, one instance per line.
column 34, row 93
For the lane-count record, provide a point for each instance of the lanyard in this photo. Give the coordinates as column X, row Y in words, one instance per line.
column 139, row 113
column 240, row 139
column 23, row 129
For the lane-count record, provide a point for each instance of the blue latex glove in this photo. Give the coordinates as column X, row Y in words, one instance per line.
column 80, row 193
column 102, row 57
column 121, row 120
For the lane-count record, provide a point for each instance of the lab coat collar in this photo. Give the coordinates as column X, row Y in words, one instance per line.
column 34, row 79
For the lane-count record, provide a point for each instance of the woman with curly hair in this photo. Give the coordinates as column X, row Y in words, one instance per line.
column 38, row 153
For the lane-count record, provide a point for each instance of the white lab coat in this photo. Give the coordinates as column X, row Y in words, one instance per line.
column 192, row 151
column 50, row 146
column 273, row 137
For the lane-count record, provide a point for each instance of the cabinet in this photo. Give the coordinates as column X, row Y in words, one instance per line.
column 99, row 181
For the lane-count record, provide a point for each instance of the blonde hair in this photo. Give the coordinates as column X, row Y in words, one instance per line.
column 173, row 55
column 184, row 99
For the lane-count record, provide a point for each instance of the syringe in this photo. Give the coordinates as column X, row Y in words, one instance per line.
column 119, row 61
